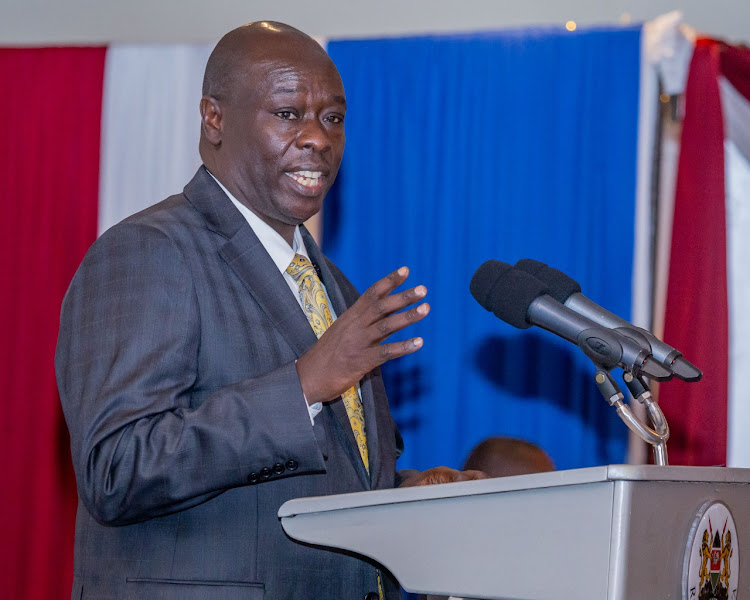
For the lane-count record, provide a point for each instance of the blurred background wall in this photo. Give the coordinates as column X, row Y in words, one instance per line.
column 104, row 21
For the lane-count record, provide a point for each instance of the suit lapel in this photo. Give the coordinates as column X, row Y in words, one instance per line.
column 371, row 426
column 247, row 257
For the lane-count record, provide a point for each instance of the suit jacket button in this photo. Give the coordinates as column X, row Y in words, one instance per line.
column 292, row 465
column 265, row 473
column 278, row 468
column 253, row 478
column 371, row 596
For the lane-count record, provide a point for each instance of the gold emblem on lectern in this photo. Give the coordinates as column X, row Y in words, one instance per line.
column 715, row 569
column 713, row 557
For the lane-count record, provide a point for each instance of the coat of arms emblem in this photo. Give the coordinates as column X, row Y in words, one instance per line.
column 713, row 557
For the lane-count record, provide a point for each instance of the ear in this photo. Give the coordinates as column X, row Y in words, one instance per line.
column 211, row 120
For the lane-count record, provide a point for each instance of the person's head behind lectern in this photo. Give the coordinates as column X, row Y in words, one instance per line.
column 505, row 456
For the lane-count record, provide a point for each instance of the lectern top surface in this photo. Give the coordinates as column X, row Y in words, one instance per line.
column 516, row 483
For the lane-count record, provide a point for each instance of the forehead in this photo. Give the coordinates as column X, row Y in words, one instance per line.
column 307, row 71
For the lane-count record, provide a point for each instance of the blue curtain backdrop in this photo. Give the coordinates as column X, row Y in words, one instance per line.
column 502, row 145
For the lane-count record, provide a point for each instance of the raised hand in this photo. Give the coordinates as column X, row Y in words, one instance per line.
column 352, row 345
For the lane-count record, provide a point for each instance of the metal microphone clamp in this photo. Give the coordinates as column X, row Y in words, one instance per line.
column 656, row 435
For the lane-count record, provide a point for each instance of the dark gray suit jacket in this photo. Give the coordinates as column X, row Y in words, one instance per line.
column 175, row 364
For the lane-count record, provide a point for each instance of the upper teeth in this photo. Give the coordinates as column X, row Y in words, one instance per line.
column 308, row 178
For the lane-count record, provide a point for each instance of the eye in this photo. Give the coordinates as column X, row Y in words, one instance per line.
column 285, row 115
column 335, row 119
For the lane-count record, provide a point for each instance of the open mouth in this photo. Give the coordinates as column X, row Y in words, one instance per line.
column 310, row 180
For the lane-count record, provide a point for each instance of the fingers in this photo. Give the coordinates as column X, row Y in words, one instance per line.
column 383, row 307
column 386, row 352
column 381, row 317
column 389, row 325
column 378, row 302
column 438, row 475
column 385, row 286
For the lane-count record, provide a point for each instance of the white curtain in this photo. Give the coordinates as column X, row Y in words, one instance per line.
column 736, row 111
column 150, row 125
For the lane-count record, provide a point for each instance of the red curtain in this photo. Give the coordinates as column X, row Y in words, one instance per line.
column 735, row 66
column 696, row 319
column 49, row 178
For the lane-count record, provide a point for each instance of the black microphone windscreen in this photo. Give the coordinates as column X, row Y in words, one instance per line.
column 531, row 266
column 561, row 287
column 506, row 292
column 484, row 278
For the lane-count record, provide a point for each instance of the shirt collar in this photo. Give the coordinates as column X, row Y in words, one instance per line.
column 280, row 252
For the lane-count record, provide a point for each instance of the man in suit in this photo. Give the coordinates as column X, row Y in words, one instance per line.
column 197, row 394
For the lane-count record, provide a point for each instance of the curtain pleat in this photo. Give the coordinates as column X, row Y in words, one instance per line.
column 49, row 168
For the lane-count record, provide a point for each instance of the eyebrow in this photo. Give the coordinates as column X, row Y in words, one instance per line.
column 284, row 90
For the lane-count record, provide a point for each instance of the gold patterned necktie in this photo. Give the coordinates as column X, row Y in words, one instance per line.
column 318, row 314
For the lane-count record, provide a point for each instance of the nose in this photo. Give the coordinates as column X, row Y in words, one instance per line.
column 313, row 135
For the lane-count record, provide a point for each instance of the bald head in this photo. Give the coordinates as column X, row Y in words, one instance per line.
column 502, row 457
column 252, row 43
column 272, row 122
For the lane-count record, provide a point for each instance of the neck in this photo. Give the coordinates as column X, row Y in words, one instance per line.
column 284, row 230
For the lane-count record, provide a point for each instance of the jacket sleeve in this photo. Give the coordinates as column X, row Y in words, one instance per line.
column 127, row 362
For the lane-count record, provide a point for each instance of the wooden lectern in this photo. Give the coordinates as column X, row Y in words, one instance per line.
column 616, row 532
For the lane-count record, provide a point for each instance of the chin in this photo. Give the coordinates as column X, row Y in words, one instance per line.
column 307, row 212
